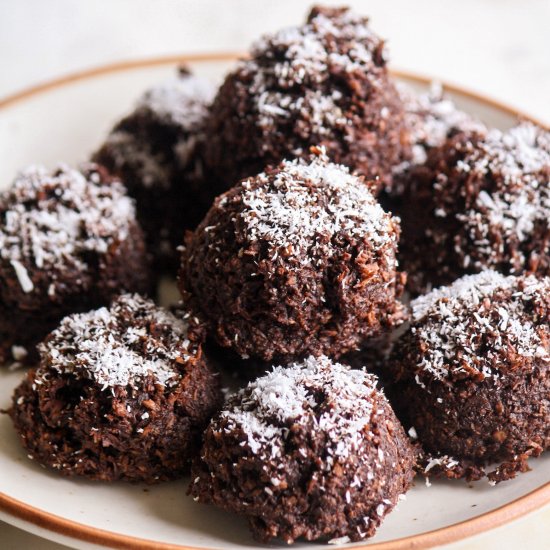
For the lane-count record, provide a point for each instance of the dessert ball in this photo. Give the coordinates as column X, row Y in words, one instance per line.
column 69, row 241
column 120, row 393
column 322, row 83
column 479, row 202
column 472, row 374
column 297, row 260
column 431, row 118
column 153, row 151
column 310, row 451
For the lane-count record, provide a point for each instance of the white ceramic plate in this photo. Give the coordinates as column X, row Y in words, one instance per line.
column 64, row 121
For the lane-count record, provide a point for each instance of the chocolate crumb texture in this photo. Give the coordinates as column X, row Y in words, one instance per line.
column 431, row 118
column 299, row 260
column 154, row 151
column 321, row 83
column 121, row 393
column 471, row 376
column 479, row 202
column 311, row 450
column 69, row 241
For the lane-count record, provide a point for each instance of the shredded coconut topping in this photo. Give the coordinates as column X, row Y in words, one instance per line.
column 119, row 346
column 466, row 328
column 182, row 101
column 519, row 161
column 287, row 72
column 431, row 118
column 53, row 219
column 301, row 208
column 316, row 392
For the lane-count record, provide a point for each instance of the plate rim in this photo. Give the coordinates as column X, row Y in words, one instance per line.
column 85, row 533
column 140, row 63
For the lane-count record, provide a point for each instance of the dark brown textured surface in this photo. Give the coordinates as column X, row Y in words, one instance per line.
column 324, row 83
column 153, row 151
column 140, row 431
column 313, row 484
column 88, row 276
column 374, row 354
column 489, row 401
column 478, row 202
column 269, row 299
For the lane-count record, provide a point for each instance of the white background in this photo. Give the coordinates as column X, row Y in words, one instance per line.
column 497, row 47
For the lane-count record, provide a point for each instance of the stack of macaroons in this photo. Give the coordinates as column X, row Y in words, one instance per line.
column 153, row 150
column 120, row 393
column 289, row 264
column 69, row 241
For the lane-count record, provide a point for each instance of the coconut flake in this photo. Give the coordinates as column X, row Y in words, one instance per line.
column 520, row 200
column 431, row 118
column 19, row 353
column 182, row 101
column 22, row 276
column 339, row 540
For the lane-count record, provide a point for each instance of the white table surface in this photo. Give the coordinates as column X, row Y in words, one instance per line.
column 500, row 48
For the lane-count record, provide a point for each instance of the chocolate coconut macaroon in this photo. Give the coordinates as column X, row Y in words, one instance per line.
column 480, row 201
column 153, row 151
column 322, row 83
column 69, row 241
column 122, row 393
column 431, row 118
column 471, row 377
column 310, row 451
column 298, row 260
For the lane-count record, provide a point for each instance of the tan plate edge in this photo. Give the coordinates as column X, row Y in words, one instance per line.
column 456, row 88
column 119, row 66
column 79, row 531
column 445, row 535
column 232, row 56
